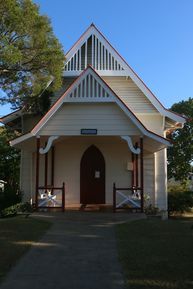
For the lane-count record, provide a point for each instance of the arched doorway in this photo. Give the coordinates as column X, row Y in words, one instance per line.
column 92, row 177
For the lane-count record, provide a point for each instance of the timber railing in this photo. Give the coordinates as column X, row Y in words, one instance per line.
column 127, row 198
column 51, row 197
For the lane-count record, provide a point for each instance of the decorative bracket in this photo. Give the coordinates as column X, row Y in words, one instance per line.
column 136, row 151
column 48, row 145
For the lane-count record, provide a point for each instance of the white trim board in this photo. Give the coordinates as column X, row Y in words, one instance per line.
column 128, row 71
column 109, row 96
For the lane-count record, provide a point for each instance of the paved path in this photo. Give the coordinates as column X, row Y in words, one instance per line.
column 78, row 252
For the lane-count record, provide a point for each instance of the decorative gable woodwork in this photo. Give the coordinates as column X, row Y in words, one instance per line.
column 89, row 88
column 93, row 52
column 93, row 49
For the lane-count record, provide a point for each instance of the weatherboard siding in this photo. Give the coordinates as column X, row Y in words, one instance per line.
column 107, row 118
column 161, row 179
column 128, row 91
column 153, row 122
column 68, row 154
column 149, row 176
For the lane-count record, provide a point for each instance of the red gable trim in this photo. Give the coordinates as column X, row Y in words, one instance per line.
column 127, row 106
column 66, row 92
column 55, row 104
column 92, row 25
column 80, row 38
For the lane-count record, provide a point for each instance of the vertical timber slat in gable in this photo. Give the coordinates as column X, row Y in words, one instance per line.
column 89, row 76
column 92, row 51
column 104, row 58
column 93, row 87
column 80, row 90
column 96, row 52
column 79, row 59
column 85, row 65
column 85, row 84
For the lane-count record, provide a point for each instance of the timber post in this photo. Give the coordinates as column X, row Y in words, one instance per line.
column 114, row 198
column 63, row 197
column 37, row 169
column 142, row 175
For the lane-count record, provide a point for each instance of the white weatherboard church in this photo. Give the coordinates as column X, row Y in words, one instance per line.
column 103, row 141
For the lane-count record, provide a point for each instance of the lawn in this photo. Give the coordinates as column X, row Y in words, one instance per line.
column 16, row 237
column 157, row 254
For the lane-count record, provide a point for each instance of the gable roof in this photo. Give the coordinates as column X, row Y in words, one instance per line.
column 121, row 67
column 99, row 91
column 73, row 56
column 11, row 116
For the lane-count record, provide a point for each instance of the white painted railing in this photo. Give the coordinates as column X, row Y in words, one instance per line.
column 51, row 197
column 127, row 198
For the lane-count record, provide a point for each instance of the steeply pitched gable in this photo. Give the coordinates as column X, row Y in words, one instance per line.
column 94, row 49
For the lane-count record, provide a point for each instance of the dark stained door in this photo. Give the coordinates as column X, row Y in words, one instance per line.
column 92, row 177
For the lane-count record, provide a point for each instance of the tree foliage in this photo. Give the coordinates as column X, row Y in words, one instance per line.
column 30, row 53
column 180, row 156
column 9, row 159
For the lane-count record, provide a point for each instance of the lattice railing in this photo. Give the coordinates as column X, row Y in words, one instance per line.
column 127, row 198
column 51, row 197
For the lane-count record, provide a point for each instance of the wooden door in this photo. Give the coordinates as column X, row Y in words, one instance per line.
column 92, row 177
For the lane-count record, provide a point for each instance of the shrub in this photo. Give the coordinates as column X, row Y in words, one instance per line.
column 176, row 186
column 151, row 210
column 180, row 202
column 9, row 212
column 9, row 197
column 17, row 208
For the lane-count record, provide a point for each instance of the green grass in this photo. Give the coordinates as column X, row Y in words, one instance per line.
column 157, row 254
column 16, row 237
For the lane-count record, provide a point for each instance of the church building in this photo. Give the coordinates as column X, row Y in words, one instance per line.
column 104, row 139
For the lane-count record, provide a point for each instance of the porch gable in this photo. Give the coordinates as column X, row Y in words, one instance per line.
column 102, row 118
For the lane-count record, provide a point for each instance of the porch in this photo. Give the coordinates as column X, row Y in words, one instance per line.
column 115, row 184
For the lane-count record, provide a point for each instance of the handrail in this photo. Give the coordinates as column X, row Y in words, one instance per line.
column 52, row 188
column 129, row 189
column 132, row 189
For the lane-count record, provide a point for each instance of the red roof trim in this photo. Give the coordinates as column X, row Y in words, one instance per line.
column 126, row 64
column 127, row 106
column 65, row 93
column 79, row 38
column 41, row 120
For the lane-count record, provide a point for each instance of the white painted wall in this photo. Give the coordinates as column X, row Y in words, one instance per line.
column 161, row 179
column 153, row 122
column 149, row 177
column 107, row 118
column 68, row 154
column 128, row 91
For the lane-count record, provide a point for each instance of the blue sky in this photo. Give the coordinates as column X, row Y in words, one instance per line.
column 154, row 36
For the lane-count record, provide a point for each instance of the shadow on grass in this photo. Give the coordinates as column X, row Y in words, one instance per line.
column 157, row 254
column 17, row 235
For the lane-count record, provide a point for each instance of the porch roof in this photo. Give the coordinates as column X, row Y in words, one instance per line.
column 150, row 145
column 109, row 96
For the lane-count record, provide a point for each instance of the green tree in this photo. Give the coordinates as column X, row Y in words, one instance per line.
column 31, row 56
column 180, row 156
column 9, row 159
column 9, row 170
